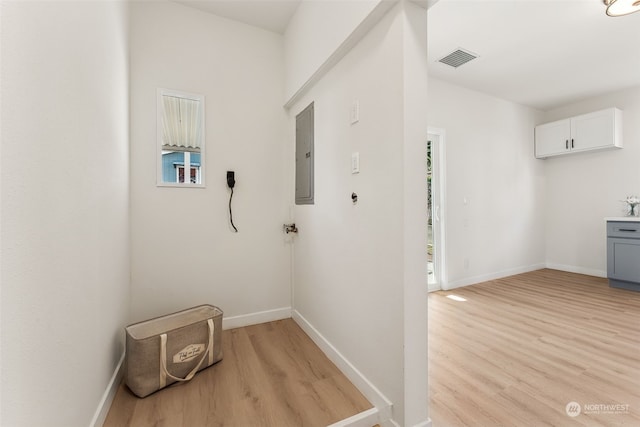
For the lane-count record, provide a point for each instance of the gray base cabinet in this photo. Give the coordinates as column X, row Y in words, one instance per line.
column 623, row 254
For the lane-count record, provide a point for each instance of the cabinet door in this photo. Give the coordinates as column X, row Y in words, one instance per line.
column 623, row 259
column 594, row 130
column 553, row 138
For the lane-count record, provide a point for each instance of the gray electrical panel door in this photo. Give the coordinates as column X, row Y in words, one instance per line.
column 304, row 156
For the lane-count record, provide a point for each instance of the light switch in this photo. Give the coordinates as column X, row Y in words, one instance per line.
column 355, row 112
column 355, row 163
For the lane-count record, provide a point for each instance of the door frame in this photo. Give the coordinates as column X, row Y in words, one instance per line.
column 437, row 137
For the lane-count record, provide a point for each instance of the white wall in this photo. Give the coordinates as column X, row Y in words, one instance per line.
column 65, row 204
column 582, row 189
column 239, row 69
column 315, row 31
column 490, row 163
column 415, row 71
column 353, row 270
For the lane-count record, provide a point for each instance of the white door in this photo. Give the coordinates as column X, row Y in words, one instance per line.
column 435, row 219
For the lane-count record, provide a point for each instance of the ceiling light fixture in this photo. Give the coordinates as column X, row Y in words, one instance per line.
column 621, row 7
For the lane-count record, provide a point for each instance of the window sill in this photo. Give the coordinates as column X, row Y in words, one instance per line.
column 179, row 185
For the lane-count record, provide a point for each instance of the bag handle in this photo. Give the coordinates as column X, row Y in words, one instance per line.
column 164, row 373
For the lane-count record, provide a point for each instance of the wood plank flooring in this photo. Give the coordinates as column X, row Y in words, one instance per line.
column 515, row 354
column 272, row 375
column 519, row 349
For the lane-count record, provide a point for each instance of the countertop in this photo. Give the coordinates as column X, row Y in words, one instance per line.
column 623, row 218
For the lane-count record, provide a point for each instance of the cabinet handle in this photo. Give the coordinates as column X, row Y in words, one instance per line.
column 566, row 144
column 571, row 142
column 630, row 230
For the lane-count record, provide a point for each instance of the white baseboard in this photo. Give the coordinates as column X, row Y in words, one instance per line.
column 228, row 323
column 380, row 414
column 505, row 273
column 492, row 276
column 367, row 418
column 579, row 270
column 391, row 423
column 107, row 398
column 379, row 401
column 256, row 318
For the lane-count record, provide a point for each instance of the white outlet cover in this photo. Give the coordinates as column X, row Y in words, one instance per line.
column 355, row 112
column 355, row 163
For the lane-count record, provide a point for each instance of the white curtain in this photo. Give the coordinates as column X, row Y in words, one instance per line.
column 182, row 124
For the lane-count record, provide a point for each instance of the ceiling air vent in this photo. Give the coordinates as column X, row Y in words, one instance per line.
column 458, row 58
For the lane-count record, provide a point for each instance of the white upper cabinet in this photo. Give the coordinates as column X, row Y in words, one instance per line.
column 553, row 138
column 594, row 131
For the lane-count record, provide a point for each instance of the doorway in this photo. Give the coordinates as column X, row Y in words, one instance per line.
column 435, row 217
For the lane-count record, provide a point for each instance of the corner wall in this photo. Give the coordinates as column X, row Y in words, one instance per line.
column 356, row 280
column 65, row 207
column 309, row 40
column 415, row 331
column 495, row 205
column 584, row 188
column 239, row 69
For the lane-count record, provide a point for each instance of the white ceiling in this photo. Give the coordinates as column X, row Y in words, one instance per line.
column 540, row 53
column 272, row 15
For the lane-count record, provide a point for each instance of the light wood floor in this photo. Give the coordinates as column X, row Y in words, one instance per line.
column 519, row 349
column 272, row 375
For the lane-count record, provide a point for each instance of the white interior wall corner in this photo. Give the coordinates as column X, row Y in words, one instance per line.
column 489, row 146
column 330, row 257
column 307, row 43
column 415, row 211
column 336, row 265
column 577, row 242
column 239, row 69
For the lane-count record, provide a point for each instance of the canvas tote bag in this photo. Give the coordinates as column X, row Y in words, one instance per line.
column 172, row 348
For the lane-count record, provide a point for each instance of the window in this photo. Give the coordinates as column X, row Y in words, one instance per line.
column 181, row 141
column 195, row 174
column 173, row 167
